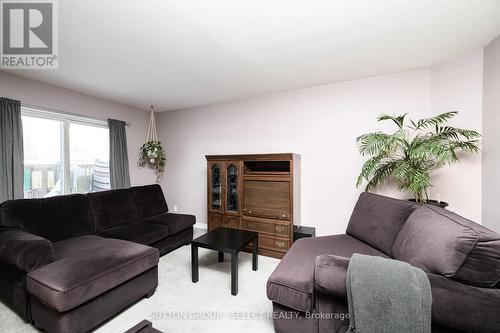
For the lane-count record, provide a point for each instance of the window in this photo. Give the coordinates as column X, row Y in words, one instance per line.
column 89, row 158
column 42, row 156
column 64, row 154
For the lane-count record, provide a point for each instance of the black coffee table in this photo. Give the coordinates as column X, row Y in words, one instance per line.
column 225, row 240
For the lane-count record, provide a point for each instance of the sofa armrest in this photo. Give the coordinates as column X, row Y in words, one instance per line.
column 24, row 250
column 330, row 274
column 454, row 304
column 464, row 307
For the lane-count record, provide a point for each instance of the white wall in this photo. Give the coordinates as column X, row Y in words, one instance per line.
column 491, row 139
column 49, row 96
column 321, row 123
column 457, row 86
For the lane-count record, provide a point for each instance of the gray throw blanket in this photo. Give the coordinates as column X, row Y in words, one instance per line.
column 387, row 296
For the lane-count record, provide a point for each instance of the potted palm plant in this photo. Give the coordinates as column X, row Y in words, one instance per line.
column 410, row 154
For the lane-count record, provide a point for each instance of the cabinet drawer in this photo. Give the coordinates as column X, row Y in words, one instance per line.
column 274, row 243
column 267, row 226
column 273, row 254
column 267, row 253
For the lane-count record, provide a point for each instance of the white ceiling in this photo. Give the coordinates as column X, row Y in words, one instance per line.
column 183, row 53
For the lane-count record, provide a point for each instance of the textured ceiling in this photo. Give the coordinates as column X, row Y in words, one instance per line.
column 183, row 53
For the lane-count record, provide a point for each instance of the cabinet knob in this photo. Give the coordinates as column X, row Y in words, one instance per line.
column 283, row 216
column 280, row 244
column 279, row 228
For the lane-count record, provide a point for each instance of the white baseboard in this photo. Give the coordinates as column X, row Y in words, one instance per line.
column 199, row 225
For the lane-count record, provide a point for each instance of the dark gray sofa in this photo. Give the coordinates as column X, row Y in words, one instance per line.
column 460, row 257
column 68, row 263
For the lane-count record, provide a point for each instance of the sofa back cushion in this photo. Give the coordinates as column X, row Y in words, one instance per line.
column 442, row 242
column 377, row 220
column 149, row 200
column 55, row 218
column 112, row 208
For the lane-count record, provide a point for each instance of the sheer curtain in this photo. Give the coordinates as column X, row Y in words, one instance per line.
column 118, row 156
column 11, row 150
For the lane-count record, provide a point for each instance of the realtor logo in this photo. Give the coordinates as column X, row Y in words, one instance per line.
column 29, row 34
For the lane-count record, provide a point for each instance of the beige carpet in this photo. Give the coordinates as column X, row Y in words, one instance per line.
column 182, row 306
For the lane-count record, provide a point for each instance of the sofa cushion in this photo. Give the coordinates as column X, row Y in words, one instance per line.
column 442, row 242
column 175, row 222
column 377, row 220
column 54, row 218
column 112, row 208
column 142, row 233
column 292, row 282
column 149, row 200
column 88, row 266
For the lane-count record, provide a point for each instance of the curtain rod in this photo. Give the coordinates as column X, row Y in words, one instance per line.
column 127, row 123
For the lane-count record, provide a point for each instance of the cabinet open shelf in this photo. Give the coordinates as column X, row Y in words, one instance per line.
column 266, row 167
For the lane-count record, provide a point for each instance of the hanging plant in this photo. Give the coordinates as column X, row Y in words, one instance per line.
column 151, row 153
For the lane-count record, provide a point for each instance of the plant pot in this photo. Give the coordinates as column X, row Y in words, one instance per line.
column 441, row 204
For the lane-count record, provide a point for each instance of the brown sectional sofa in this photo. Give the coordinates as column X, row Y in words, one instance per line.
column 460, row 257
column 68, row 263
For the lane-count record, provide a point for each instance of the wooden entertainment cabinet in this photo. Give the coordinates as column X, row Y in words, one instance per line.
column 259, row 192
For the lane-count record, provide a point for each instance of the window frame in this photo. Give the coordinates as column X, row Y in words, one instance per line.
column 66, row 119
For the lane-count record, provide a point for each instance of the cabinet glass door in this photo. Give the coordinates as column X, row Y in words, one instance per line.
column 232, row 195
column 215, row 187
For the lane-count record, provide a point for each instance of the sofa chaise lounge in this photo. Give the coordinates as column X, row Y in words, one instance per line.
column 68, row 263
column 461, row 259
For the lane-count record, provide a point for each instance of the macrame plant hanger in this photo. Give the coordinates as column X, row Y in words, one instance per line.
column 152, row 135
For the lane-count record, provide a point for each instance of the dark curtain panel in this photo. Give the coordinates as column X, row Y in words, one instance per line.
column 11, row 150
column 118, row 156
